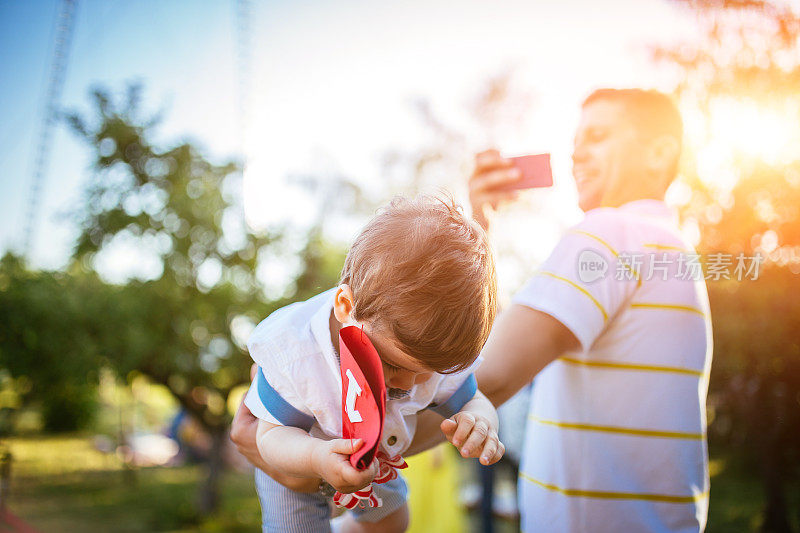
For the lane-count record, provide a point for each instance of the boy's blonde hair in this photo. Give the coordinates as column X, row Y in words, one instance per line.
column 423, row 272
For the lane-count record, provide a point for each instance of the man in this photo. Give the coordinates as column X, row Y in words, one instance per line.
column 616, row 333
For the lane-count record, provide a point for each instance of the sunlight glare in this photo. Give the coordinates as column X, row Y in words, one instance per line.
column 767, row 132
column 733, row 130
column 269, row 201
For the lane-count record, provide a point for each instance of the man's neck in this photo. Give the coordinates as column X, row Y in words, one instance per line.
column 620, row 201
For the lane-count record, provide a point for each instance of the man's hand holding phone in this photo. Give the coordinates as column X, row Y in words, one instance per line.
column 496, row 179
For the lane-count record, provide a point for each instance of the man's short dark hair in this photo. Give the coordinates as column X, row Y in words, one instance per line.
column 651, row 112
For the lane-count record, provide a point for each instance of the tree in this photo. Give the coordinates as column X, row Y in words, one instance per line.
column 740, row 80
column 185, row 328
column 51, row 331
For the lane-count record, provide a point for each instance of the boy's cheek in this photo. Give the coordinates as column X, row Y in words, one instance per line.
column 422, row 378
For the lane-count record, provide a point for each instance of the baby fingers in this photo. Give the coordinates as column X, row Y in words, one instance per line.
column 493, row 450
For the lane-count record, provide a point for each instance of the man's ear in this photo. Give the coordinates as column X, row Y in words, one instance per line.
column 662, row 154
column 343, row 304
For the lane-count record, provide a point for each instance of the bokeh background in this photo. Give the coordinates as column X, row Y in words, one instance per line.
column 174, row 171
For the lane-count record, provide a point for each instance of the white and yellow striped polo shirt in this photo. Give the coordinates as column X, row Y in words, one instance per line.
column 616, row 437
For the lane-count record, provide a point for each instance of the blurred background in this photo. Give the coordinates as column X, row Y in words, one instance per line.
column 172, row 172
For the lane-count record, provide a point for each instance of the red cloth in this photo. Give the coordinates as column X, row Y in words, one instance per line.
column 363, row 394
column 366, row 497
column 363, row 412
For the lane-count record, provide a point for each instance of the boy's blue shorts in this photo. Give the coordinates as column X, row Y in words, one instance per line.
column 286, row 511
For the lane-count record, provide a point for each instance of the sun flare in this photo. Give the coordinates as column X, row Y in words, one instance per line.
column 736, row 128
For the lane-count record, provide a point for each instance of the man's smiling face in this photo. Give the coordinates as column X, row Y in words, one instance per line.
column 608, row 153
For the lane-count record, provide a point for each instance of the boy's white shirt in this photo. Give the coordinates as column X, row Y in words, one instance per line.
column 293, row 349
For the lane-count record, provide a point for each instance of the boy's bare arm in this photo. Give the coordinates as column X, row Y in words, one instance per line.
column 428, row 433
column 293, row 452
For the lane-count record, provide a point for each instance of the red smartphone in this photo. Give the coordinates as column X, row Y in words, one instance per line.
column 536, row 172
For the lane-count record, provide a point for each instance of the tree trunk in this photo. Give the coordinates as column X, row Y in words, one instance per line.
column 776, row 516
column 209, row 491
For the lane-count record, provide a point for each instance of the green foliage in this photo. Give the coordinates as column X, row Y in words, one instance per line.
column 184, row 327
column 756, row 376
column 747, row 54
column 174, row 204
column 50, row 340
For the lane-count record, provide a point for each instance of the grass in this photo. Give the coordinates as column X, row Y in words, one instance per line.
column 737, row 498
column 62, row 484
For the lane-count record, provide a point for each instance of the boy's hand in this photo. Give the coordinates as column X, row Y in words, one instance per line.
column 331, row 461
column 475, row 436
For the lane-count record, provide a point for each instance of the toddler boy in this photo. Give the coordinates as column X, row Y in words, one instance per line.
column 420, row 282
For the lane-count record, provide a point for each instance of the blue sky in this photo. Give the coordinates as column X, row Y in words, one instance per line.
column 177, row 51
column 327, row 77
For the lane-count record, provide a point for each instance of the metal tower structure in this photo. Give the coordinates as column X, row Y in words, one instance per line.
column 244, row 13
column 63, row 38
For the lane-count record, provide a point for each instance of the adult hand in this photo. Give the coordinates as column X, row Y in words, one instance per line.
column 243, row 432
column 243, row 435
column 244, row 429
column 491, row 172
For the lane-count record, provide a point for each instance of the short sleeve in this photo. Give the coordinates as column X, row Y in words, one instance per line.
column 581, row 284
column 273, row 393
column 256, row 406
column 455, row 390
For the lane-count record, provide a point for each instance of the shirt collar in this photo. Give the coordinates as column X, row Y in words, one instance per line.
column 651, row 208
column 321, row 329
